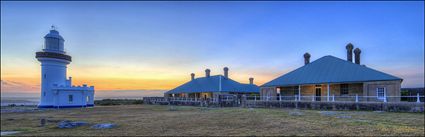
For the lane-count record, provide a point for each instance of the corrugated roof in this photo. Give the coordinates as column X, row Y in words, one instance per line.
column 217, row 83
column 330, row 69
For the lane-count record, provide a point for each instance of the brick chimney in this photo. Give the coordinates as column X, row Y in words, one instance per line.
column 192, row 75
column 349, row 48
column 306, row 58
column 357, row 52
column 251, row 81
column 207, row 73
column 226, row 72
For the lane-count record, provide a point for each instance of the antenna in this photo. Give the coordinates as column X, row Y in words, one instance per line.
column 53, row 27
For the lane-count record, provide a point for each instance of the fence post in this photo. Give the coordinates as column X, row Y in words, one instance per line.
column 333, row 98
column 280, row 98
column 385, row 97
column 418, row 100
column 314, row 97
column 255, row 97
column 357, row 98
column 295, row 97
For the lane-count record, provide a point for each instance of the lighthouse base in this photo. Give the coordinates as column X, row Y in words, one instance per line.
column 70, row 106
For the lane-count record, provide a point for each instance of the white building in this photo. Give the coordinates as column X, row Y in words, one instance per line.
column 56, row 90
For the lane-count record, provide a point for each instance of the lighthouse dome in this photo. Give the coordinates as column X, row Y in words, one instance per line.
column 54, row 34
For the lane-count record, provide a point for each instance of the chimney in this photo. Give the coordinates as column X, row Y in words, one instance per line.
column 349, row 48
column 357, row 52
column 207, row 73
column 226, row 72
column 306, row 58
column 192, row 75
column 251, row 81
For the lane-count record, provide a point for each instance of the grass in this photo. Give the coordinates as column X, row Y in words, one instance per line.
column 183, row 120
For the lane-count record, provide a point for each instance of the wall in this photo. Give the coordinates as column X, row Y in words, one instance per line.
column 266, row 92
column 368, row 106
column 360, row 89
column 79, row 98
column 393, row 88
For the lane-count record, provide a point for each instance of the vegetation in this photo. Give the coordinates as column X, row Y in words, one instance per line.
column 184, row 120
column 108, row 102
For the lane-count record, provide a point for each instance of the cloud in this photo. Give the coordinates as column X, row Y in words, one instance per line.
column 17, row 87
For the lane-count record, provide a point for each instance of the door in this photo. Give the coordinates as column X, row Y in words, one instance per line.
column 318, row 94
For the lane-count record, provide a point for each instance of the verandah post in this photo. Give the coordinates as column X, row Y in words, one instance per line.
column 299, row 92
column 385, row 96
column 418, row 100
column 328, row 92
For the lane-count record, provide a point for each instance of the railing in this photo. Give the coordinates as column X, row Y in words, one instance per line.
column 333, row 98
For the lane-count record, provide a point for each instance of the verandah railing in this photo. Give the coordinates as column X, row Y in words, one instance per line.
column 345, row 98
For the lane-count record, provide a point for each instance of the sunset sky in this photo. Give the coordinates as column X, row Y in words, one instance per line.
column 156, row 45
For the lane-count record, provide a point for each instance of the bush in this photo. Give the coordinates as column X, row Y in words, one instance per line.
column 109, row 102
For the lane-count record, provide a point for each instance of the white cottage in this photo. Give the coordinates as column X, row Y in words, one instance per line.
column 56, row 90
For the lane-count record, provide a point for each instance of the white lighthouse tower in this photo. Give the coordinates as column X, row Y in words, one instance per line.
column 56, row 90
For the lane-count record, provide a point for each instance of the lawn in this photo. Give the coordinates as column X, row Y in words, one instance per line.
column 182, row 120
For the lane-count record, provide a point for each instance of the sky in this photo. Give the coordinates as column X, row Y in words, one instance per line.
column 156, row 45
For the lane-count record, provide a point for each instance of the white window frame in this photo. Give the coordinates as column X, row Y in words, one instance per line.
column 377, row 93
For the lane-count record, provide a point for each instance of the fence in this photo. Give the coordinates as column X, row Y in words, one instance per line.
column 220, row 101
column 334, row 98
column 387, row 103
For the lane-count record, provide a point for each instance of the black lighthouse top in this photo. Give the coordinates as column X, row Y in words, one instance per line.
column 53, row 46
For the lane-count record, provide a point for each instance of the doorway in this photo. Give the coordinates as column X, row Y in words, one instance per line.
column 318, row 94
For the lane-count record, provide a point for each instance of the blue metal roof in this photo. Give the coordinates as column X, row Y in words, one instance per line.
column 217, row 83
column 330, row 69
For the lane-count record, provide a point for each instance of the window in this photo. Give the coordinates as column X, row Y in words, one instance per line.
column 380, row 93
column 44, row 93
column 70, row 98
column 44, row 76
column 344, row 89
column 295, row 89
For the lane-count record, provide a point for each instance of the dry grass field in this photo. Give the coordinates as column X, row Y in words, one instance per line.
column 180, row 120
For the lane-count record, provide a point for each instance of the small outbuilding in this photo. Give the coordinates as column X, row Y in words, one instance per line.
column 212, row 86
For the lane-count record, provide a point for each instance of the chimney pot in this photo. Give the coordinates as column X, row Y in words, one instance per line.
column 306, row 58
column 192, row 75
column 251, row 81
column 349, row 48
column 207, row 73
column 357, row 52
column 226, row 72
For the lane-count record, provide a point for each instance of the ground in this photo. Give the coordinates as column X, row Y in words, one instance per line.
column 184, row 120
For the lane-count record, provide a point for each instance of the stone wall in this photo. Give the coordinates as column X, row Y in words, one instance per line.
column 361, row 89
column 368, row 106
column 392, row 88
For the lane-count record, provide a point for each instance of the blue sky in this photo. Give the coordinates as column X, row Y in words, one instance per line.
column 164, row 42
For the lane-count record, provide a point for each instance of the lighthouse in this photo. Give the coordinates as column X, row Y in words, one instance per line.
column 57, row 90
